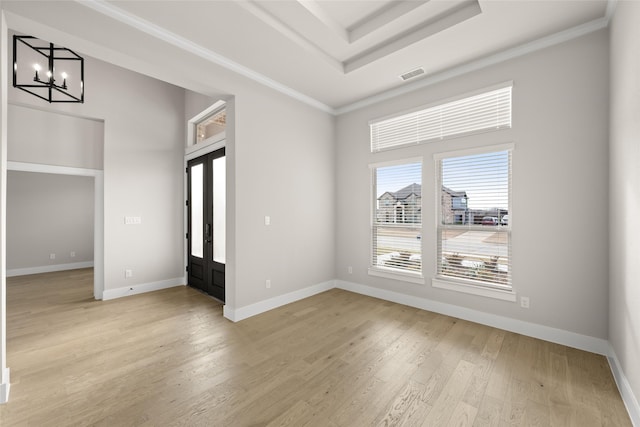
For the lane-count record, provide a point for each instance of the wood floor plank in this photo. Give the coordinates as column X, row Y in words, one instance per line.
column 400, row 405
column 420, row 407
column 475, row 392
column 463, row 415
column 450, row 396
column 500, row 380
column 336, row 359
column 489, row 412
column 297, row 415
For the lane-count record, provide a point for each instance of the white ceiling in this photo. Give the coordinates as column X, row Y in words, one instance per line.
column 338, row 53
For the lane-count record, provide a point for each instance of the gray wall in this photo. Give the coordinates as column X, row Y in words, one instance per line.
column 142, row 159
column 194, row 104
column 283, row 153
column 285, row 169
column 46, row 137
column 560, row 175
column 280, row 160
column 624, row 307
column 48, row 214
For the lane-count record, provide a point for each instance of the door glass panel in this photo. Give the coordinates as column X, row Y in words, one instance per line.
column 219, row 209
column 197, row 195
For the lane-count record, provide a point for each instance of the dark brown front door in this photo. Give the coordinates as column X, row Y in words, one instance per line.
column 206, row 224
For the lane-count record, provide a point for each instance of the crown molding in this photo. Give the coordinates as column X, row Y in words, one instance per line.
column 424, row 29
column 114, row 12
column 327, row 20
column 421, row 31
column 480, row 63
column 382, row 17
column 265, row 16
column 118, row 14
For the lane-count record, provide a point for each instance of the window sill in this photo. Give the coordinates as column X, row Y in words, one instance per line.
column 396, row 275
column 501, row 294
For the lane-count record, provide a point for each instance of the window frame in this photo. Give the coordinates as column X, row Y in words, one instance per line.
column 192, row 124
column 391, row 273
column 470, row 286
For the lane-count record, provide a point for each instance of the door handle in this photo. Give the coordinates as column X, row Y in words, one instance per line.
column 207, row 233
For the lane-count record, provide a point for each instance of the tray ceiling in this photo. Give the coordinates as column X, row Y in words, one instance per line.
column 335, row 54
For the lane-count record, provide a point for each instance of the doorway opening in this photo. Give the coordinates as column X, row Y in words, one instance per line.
column 49, row 223
column 98, row 212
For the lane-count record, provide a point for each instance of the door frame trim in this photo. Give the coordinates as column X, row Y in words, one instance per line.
column 206, row 149
column 98, row 211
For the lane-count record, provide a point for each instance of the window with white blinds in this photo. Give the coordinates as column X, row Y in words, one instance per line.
column 396, row 223
column 478, row 113
column 474, row 218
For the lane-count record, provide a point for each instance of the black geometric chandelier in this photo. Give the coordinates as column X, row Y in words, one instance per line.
column 50, row 72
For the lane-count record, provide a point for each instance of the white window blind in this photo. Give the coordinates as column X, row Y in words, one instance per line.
column 396, row 230
column 474, row 219
column 487, row 111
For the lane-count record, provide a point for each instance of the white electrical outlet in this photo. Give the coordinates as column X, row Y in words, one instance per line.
column 128, row 273
column 524, row 302
column 350, row 269
column 267, row 220
column 268, row 284
column 72, row 254
column 52, row 256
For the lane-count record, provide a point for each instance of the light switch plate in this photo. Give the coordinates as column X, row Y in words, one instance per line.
column 132, row 220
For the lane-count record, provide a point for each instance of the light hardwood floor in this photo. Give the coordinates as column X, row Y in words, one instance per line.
column 169, row 358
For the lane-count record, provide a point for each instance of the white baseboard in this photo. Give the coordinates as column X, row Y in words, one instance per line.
column 238, row 314
column 629, row 399
column 141, row 288
column 559, row 336
column 48, row 268
column 5, row 386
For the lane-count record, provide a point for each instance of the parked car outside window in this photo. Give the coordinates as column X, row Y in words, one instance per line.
column 489, row 220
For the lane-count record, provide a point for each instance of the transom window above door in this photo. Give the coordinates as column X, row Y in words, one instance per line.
column 212, row 125
column 207, row 127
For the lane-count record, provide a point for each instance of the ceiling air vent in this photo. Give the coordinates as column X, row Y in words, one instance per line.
column 412, row 74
